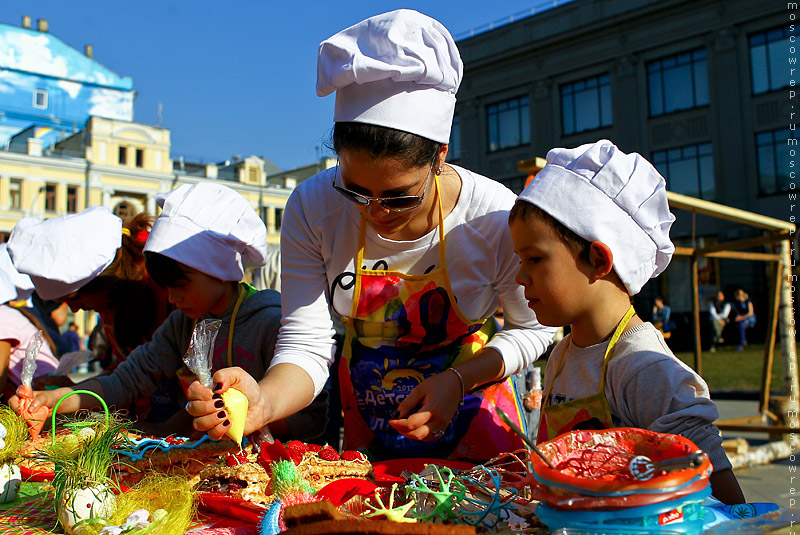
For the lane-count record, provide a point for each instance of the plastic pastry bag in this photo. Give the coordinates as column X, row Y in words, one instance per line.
column 37, row 418
column 198, row 360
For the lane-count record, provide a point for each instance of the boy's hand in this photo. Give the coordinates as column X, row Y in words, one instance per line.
column 46, row 398
column 207, row 408
column 436, row 400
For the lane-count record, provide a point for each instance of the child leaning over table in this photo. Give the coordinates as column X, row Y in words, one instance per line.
column 590, row 230
column 199, row 247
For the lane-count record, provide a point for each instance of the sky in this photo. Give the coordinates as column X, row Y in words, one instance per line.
column 232, row 78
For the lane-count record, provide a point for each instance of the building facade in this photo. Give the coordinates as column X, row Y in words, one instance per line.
column 699, row 87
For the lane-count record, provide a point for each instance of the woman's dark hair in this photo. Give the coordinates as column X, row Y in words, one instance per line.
column 524, row 210
column 167, row 272
column 384, row 142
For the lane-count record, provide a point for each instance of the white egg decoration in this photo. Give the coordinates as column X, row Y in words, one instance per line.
column 10, row 481
column 3, row 431
column 81, row 504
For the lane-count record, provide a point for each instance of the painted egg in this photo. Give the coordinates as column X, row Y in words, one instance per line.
column 10, row 481
column 81, row 504
column 3, row 431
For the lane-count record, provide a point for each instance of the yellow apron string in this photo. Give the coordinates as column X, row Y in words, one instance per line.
column 611, row 344
column 362, row 233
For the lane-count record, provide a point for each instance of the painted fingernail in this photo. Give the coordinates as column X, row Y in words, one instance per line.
column 395, row 415
column 221, row 414
column 219, row 404
column 226, row 423
column 216, row 396
column 218, row 386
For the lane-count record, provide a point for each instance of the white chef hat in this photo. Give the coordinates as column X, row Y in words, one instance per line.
column 13, row 284
column 400, row 69
column 211, row 228
column 602, row 194
column 63, row 254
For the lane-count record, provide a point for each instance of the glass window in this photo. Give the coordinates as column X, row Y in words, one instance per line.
column 72, row 199
column 278, row 218
column 689, row 170
column 769, row 58
column 50, row 197
column 772, row 153
column 15, row 192
column 123, row 155
column 139, row 158
column 40, row 99
column 586, row 104
column 509, row 124
column 454, row 152
column 678, row 82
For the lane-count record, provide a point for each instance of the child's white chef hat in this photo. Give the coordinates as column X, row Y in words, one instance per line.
column 211, row 228
column 400, row 69
column 63, row 254
column 13, row 284
column 602, row 194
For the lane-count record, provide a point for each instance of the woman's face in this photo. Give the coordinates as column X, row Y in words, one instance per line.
column 387, row 177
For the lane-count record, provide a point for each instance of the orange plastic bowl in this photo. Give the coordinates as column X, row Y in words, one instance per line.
column 594, row 462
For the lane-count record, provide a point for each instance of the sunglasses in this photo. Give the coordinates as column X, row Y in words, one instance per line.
column 393, row 204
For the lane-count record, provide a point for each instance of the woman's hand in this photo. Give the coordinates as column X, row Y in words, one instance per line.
column 207, row 408
column 436, row 400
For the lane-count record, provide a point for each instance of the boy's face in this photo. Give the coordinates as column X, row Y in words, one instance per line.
column 201, row 295
column 554, row 279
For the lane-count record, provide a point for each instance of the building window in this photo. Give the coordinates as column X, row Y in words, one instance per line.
column 278, row 218
column 769, row 57
column 123, row 155
column 586, row 104
column 689, row 170
column 252, row 175
column 15, row 193
column 50, row 197
column 139, row 158
column 678, row 82
column 40, row 99
column 772, row 152
column 454, row 151
column 509, row 124
column 72, row 199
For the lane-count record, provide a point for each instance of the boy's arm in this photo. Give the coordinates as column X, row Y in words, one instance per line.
column 725, row 487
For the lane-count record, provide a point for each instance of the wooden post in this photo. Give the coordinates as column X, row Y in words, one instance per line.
column 769, row 346
column 787, row 335
column 698, row 365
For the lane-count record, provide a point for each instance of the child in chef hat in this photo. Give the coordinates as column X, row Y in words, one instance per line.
column 199, row 248
column 590, row 230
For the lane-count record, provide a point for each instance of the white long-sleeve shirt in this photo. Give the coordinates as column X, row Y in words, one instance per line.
column 319, row 241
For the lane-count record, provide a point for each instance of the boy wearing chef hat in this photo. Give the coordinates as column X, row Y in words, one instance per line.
column 199, row 248
column 17, row 326
column 590, row 230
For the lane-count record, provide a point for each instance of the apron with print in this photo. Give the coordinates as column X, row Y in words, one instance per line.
column 402, row 329
column 590, row 412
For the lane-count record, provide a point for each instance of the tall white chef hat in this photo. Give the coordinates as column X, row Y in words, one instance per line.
column 602, row 194
column 13, row 284
column 400, row 69
column 211, row 228
column 63, row 254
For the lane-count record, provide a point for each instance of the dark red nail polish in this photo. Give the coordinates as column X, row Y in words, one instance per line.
column 226, row 423
column 216, row 396
column 217, row 386
column 219, row 404
column 221, row 414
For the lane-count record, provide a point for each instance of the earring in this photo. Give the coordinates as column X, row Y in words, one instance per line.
column 439, row 171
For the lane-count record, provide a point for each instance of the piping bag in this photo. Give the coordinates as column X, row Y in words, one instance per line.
column 37, row 418
column 198, row 360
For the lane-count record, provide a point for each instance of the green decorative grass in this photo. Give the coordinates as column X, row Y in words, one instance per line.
column 16, row 435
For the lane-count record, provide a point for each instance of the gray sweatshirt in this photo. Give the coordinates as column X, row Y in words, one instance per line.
column 647, row 386
column 255, row 332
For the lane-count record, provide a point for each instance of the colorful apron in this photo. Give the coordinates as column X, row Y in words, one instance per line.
column 401, row 330
column 589, row 412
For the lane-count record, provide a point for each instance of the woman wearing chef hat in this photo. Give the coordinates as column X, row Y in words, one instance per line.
column 409, row 252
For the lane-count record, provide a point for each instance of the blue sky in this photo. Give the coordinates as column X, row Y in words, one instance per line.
column 233, row 78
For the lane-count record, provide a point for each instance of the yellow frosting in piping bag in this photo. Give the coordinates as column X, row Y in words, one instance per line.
column 236, row 406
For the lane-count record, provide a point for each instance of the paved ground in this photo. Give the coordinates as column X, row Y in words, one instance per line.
column 777, row 482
